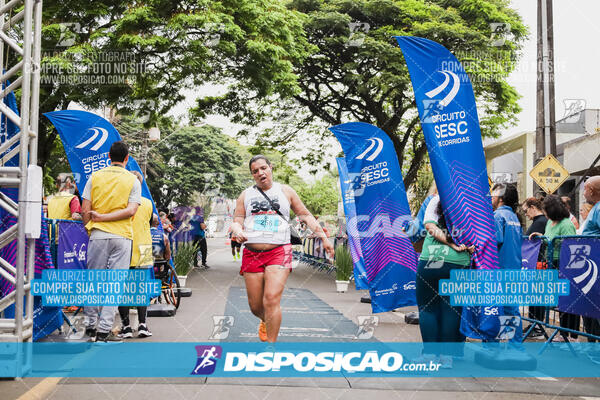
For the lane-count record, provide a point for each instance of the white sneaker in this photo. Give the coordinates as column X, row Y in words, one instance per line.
column 143, row 331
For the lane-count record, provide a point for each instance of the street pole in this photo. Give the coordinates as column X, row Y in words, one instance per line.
column 545, row 137
column 145, row 152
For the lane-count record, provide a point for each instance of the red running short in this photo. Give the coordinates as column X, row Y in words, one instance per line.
column 254, row 261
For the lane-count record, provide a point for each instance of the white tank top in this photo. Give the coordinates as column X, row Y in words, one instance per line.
column 262, row 223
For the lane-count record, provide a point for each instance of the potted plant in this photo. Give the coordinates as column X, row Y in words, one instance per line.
column 184, row 259
column 343, row 268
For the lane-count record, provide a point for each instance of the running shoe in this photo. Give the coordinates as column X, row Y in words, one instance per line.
column 126, row 332
column 107, row 337
column 91, row 332
column 143, row 331
column 262, row 331
column 205, row 266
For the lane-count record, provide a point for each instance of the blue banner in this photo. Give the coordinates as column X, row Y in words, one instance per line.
column 72, row 245
column 87, row 138
column 530, row 252
column 360, row 273
column 382, row 211
column 579, row 259
column 448, row 113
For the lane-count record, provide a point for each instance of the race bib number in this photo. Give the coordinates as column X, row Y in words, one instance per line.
column 266, row 223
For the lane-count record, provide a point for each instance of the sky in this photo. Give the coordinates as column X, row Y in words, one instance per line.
column 577, row 60
column 577, row 65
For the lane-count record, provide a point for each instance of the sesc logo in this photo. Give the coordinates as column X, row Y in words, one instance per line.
column 490, row 310
column 579, row 259
column 207, row 359
column 448, row 76
column 81, row 256
column 374, row 141
column 412, row 285
column 96, row 131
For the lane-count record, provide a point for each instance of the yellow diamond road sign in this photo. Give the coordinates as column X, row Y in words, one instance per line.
column 549, row 174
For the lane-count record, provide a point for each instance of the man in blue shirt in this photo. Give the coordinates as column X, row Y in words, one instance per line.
column 505, row 199
column 508, row 228
column 199, row 235
column 591, row 192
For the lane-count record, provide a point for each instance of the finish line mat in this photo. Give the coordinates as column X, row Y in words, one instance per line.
column 305, row 318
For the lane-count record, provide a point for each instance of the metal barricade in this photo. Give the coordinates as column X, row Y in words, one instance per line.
column 575, row 259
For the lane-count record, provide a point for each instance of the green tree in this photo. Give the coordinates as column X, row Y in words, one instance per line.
column 193, row 161
column 156, row 48
column 359, row 75
column 321, row 198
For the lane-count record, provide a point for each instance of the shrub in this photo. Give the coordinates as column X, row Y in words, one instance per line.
column 185, row 257
column 343, row 264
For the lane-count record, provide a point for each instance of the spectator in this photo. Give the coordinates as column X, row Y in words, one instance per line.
column 141, row 257
column 584, row 211
column 439, row 321
column 416, row 228
column 166, row 222
column 161, row 249
column 532, row 208
column 65, row 204
column 566, row 200
column 199, row 237
column 110, row 200
column 591, row 226
column 559, row 224
column 591, row 192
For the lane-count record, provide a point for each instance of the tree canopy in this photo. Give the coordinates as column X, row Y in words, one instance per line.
column 193, row 160
column 139, row 55
column 354, row 71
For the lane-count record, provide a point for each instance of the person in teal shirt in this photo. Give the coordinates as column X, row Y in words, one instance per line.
column 439, row 321
column 559, row 224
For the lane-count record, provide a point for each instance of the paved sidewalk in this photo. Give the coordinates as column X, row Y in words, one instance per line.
column 212, row 296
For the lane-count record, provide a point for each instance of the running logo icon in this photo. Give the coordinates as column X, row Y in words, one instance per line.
column 96, row 131
column 207, row 359
column 578, row 260
column 366, row 326
column 437, row 255
column 508, row 327
column 374, row 141
column 222, row 325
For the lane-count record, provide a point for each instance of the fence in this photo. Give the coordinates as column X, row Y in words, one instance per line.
column 576, row 258
column 313, row 253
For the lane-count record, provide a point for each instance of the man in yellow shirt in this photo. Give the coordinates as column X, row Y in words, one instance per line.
column 110, row 199
column 141, row 257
